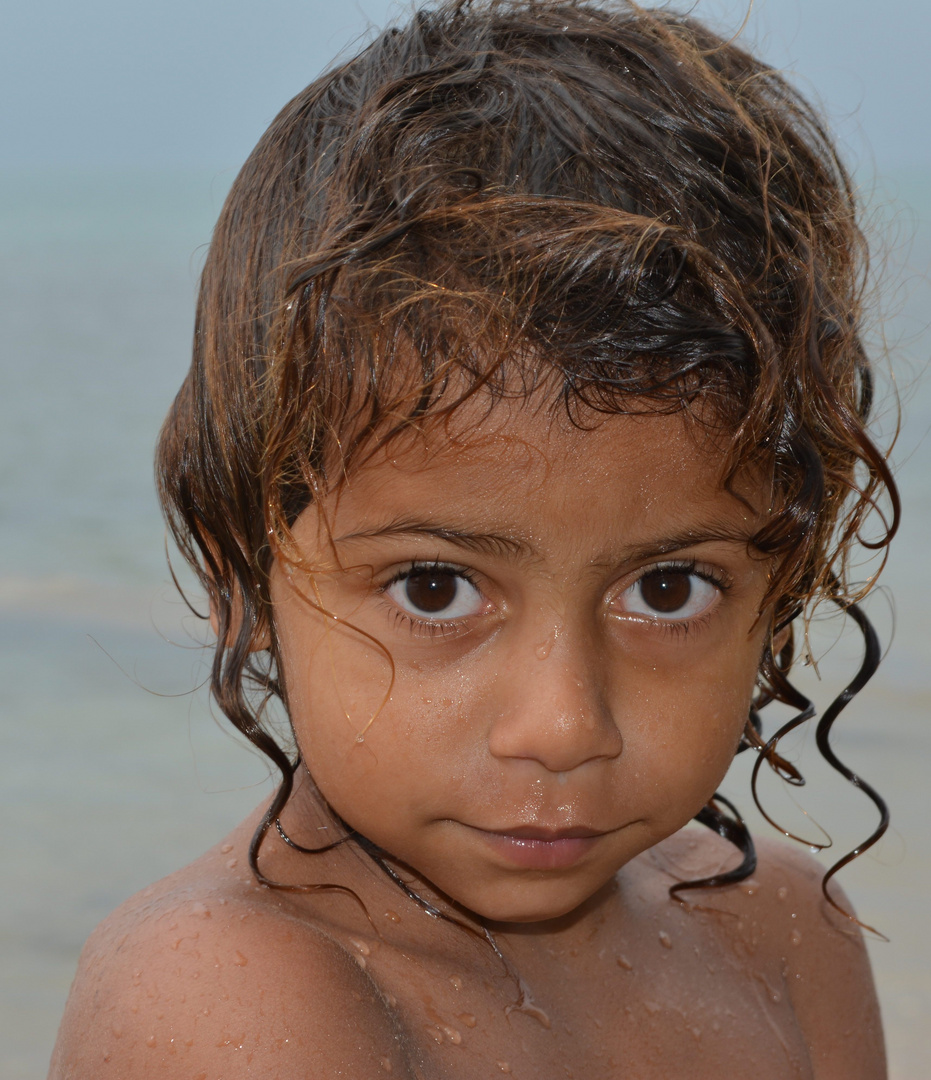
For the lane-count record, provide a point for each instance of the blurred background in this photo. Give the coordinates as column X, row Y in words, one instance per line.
column 121, row 129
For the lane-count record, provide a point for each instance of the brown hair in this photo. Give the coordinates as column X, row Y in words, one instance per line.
column 605, row 200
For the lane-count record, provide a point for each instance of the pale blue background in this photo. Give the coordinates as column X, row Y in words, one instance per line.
column 192, row 83
column 121, row 127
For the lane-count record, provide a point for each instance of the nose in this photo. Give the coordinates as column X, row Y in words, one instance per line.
column 554, row 710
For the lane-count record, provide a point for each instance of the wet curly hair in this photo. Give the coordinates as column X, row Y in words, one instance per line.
column 611, row 203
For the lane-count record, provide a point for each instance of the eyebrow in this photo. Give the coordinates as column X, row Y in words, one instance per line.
column 501, row 544
column 486, row 543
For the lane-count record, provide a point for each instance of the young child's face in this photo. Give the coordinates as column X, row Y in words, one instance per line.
column 540, row 647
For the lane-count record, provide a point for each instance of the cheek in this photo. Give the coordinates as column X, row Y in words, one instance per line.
column 372, row 735
column 685, row 723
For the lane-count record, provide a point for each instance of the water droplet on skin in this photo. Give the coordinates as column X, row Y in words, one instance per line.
column 543, row 650
column 106, row 1056
column 225, row 849
column 436, row 1034
column 386, row 1065
column 360, row 960
column 795, row 937
column 456, row 982
column 467, row 1019
column 137, row 978
column 526, row 1006
column 239, row 960
column 361, row 946
column 231, row 864
column 651, row 1007
column 175, row 944
column 665, row 940
column 452, row 1034
column 623, row 962
column 150, row 1041
column 188, row 1042
column 201, row 909
column 782, row 892
column 696, row 1031
column 814, row 849
column 391, row 1000
column 116, row 1031
column 750, row 890
column 392, row 916
column 504, row 1066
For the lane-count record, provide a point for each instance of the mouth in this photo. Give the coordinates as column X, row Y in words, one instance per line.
column 536, row 847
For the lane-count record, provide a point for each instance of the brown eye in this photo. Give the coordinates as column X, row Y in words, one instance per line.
column 439, row 592
column 431, row 591
column 666, row 591
column 670, row 593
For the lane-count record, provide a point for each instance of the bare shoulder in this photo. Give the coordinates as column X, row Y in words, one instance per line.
column 203, row 976
column 785, row 923
column 827, row 969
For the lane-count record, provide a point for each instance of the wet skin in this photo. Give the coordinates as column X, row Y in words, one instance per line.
column 518, row 656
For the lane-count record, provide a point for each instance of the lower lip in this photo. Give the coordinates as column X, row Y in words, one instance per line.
column 540, row 854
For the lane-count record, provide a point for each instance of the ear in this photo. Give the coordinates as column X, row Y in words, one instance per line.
column 780, row 638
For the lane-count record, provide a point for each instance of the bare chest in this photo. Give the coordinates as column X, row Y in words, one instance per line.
column 634, row 1014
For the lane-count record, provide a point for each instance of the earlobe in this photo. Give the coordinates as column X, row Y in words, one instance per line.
column 780, row 639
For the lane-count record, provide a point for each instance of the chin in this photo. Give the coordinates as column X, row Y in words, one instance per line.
column 530, row 905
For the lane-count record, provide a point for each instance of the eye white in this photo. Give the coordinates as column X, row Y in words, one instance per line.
column 438, row 593
column 669, row 594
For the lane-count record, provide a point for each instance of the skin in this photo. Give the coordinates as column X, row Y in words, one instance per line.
column 528, row 751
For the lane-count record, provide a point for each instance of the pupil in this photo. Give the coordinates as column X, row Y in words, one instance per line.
column 666, row 590
column 431, row 590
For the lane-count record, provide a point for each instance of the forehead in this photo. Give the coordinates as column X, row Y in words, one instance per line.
column 525, row 468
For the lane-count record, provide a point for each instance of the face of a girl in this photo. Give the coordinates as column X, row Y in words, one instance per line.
column 539, row 649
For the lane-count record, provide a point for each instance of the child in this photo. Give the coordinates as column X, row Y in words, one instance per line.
column 526, row 415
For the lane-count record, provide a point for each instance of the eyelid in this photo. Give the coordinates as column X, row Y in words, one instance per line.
column 716, row 577
column 422, row 623
column 421, row 565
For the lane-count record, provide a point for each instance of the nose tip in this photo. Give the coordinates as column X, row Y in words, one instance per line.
column 555, row 713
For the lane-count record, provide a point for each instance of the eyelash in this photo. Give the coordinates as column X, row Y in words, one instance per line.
column 680, row 628
column 677, row 628
column 428, row 627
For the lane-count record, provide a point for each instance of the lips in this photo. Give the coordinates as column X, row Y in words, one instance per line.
column 548, row 835
column 536, row 847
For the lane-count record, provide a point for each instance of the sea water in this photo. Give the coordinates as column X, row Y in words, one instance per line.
column 114, row 771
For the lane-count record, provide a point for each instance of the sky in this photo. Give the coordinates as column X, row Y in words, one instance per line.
column 191, row 84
